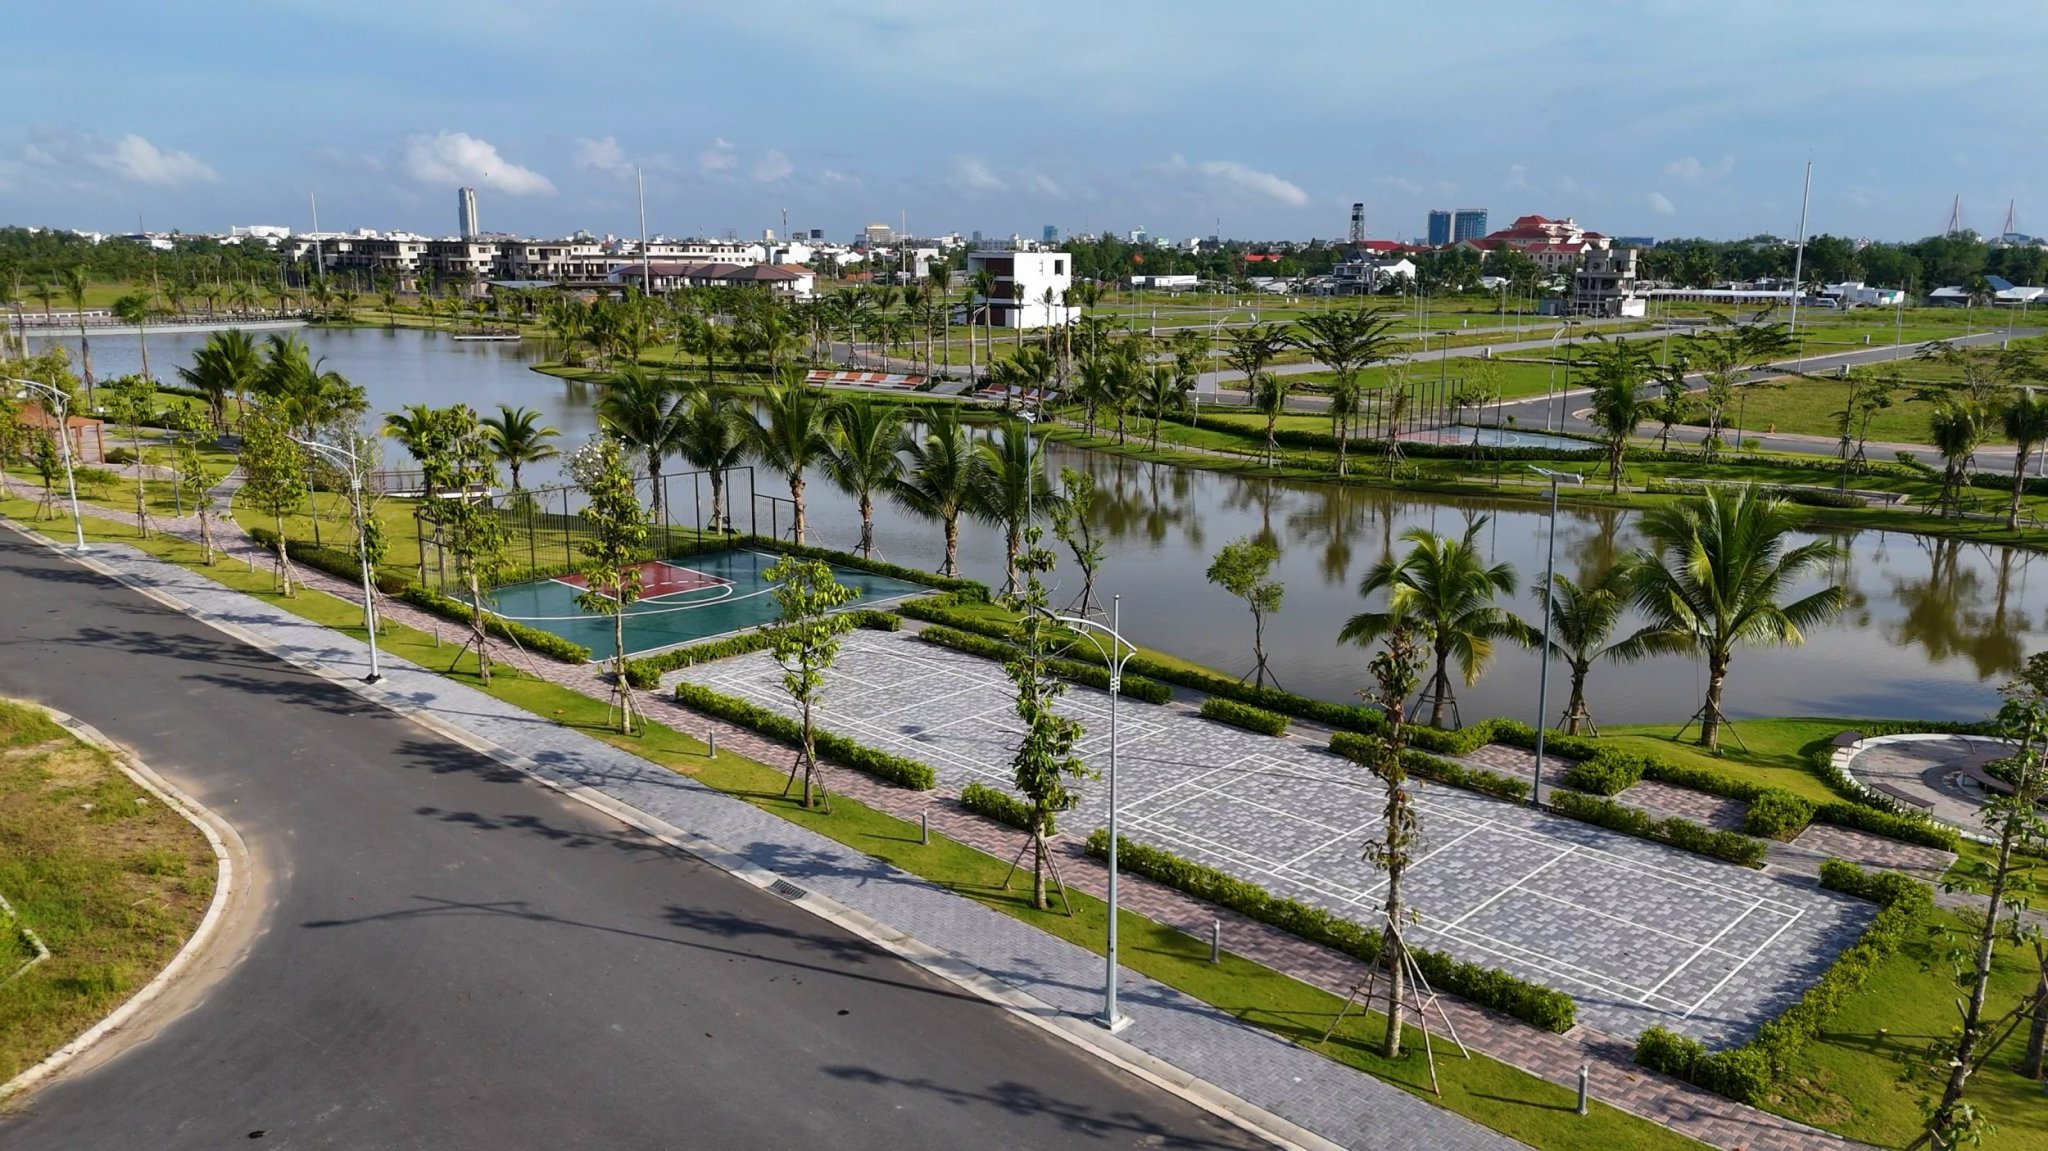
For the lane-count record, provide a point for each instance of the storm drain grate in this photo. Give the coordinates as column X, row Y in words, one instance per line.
column 786, row 889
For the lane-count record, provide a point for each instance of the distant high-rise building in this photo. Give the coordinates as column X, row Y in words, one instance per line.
column 817, row 233
column 1137, row 235
column 465, row 212
column 1468, row 224
column 1050, row 234
column 1439, row 227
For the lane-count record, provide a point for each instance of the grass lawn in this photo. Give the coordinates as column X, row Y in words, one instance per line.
column 1772, row 759
column 1492, row 1093
column 1866, row 1075
column 111, row 880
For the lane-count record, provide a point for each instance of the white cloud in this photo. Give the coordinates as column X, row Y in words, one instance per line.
column 1043, row 185
column 129, row 158
column 719, row 158
column 971, row 175
column 834, row 178
column 1518, row 177
column 603, row 156
column 1235, row 175
column 460, row 159
column 1689, row 168
column 771, row 167
column 1661, row 204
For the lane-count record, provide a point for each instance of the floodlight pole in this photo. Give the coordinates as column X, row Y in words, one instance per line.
column 1114, row 659
column 355, row 497
column 61, row 401
column 1543, row 653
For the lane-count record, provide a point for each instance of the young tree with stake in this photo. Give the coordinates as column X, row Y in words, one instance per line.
column 1395, row 672
column 806, row 644
column 1045, row 760
column 1241, row 569
column 274, row 477
column 1072, row 526
column 469, row 524
column 197, row 476
column 616, row 531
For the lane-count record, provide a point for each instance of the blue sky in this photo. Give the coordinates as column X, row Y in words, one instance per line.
column 1639, row 118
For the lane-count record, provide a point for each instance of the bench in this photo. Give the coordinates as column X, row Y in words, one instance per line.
column 1903, row 796
column 1846, row 739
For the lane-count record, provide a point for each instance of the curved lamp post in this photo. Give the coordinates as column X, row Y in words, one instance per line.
column 60, row 401
column 1114, row 658
column 352, row 465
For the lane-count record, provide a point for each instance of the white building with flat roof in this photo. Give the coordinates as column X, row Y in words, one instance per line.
column 1036, row 273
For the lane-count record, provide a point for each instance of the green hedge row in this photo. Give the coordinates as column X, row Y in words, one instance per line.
column 1093, row 675
column 1540, row 1006
column 1348, row 717
column 1360, row 749
column 1745, row 1073
column 1777, row 814
column 1607, row 773
column 530, row 638
column 1812, row 497
column 333, row 561
column 773, row 724
column 1001, row 806
column 646, row 673
column 1324, row 441
column 1729, row 845
column 1245, row 716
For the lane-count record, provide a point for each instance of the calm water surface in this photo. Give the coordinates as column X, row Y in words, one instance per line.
column 1932, row 629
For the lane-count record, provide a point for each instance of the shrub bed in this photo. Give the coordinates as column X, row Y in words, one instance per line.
column 966, row 589
column 1245, row 716
column 646, row 673
column 1093, row 675
column 1745, row 1073
column 893, row 768
column 1777, row 814
column 1605, row 772
column 333, row 561
column 529, row 638
column 1001, row 806
column 1359, row 749
column 1540, row 1006
column 1684, row 833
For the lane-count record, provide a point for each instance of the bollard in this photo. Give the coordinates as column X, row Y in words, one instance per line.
column 437, row 635
column 1216, row 941
column 924, row 828
column 711, row 740
column 1584, row 1070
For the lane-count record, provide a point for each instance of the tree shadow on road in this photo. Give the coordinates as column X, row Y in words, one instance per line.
column 1028, row 1101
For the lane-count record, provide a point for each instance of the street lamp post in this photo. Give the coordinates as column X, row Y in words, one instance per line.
column 1543, row 653
column 355, row 496
column 1550, row 383
column 60, row 402
column 1114, row 658
column 1030, row 465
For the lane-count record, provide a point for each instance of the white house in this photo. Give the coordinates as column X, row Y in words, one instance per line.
column 1036, row 273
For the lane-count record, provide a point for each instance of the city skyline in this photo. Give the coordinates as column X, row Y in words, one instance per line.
column 1665, row 120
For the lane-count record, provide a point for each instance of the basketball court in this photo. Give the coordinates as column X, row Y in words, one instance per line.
column 681, row 601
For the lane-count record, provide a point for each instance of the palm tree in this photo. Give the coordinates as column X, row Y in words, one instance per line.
column 1345, row 343
column 644, row 411
column 518, row 438
column 981, row 287
column 1012, row 483
column 1957, row 427
column 135, row 308
column 791, row 433
column 1711, row 578
column 1251, row 349
column 1269, row 399
column 712, row 435
column 1443, row 589
column 863, row 458
column 2025, row 421
column 75, row 284
column 225, row 365
column 1163, row 389
column 1582, row 616
column 940, row 477
column 1619, row 402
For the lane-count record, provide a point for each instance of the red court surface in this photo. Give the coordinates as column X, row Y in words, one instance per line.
column 659, row 578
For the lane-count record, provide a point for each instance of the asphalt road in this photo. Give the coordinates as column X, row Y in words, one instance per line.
column 453, row 957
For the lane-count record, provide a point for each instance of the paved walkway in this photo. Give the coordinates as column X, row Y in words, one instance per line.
column 1352, row 1109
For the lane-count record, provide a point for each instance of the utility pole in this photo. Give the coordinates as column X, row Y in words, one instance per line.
column 1799, row 256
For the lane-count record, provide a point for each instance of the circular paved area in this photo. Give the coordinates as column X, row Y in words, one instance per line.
column 1930, row 772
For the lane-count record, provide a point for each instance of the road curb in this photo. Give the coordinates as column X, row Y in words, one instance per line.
column 227, row 848
column 1080, row 1033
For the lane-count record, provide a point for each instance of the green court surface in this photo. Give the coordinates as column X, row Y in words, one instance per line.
column 683, row 601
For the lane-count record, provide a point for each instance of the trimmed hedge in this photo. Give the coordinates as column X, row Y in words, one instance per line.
column 333, row 561
column 646, row 673
column 530, row 638
column 1359, row 749
column 1245, row 716
column 1745, row 1073
column 1093, row 675
column 1729, row 845
column 1540, row 1006
column 773, row 724
column 1001, row 806
column 1777, row 814
column 1605, row 773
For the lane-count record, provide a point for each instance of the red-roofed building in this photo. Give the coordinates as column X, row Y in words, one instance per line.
column 1555, row 245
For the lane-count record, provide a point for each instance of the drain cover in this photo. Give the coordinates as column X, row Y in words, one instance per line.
column 786, row 889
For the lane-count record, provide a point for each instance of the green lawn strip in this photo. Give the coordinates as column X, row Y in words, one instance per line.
column 111, row 880
column 1773, row 758
column 1973, row 866
column 1865, row 1075
column 1502, row 1097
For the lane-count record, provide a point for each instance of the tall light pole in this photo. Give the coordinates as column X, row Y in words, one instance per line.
column 1113, row 658
column 1030, row 465
column 60, row 404
column 1550, row 384
column 1543, row 653
column 353, row 466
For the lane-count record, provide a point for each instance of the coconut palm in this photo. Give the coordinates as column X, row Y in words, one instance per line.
column 135, row 308
column 1345, row 343
column 1620, row 401
column 517, row 437
column 863, row 459
column 1442, row 588
column 941, row 476
column 1957, row 427
column 981, row 287
column 1711, row 579
column 1163, row 389
column 1582, row 616
column 2025, row 421
column 1012, row 487
column 225, row 365
column 792, row 432
column 712, row 435
column 1251, row 349
column 644, row 411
